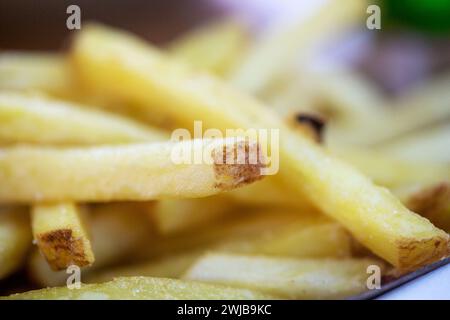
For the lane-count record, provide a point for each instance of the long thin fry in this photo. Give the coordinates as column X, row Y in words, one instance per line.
column 119, row 64
column 290, row 278
column 392, row 172
column 428, row 145
column 142, row 288
column 132, row 172
column 32, row 119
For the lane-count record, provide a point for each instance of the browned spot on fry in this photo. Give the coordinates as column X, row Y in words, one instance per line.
column 433, row 203
column 235, row 174
column 61, row 249
column 311, row 125
column 411, row 253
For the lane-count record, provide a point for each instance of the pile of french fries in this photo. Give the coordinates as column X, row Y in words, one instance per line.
column 86, row 178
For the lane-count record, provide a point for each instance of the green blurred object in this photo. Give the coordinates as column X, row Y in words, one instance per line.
column 431, row 16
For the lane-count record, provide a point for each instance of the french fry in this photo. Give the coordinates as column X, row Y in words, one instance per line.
column 15, row 239
column 214, row 47
column 118, row 63
column 391, row 171
column 429, row 145
column 431, row 201
column 37, row 72
column 408, row 114
column 25, row 119
column 172, row 266
column 287, row 232
column 61, row 235
column 312, row 238
column 110, row 225
column 289, row 278
column 132, row 172
column 279, row 47
column 142, row 288
column 177, row 215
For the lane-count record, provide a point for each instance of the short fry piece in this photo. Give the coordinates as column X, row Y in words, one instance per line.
column 32, row 119
column 15, row 239
column 118, row 232
column 290, row 278
column 131, row 172
column 61, row 235
column 142, row 288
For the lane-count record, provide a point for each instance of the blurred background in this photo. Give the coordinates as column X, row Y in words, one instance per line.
column 412, row 44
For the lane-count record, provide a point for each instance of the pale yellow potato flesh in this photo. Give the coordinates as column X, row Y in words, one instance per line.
column 62, row 237
column 144, row 288
column 121, row 65
column 129, row 172
column 287, row 277
column 34, row 120
column 15, row 239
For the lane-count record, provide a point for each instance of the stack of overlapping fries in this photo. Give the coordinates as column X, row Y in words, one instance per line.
column 88, row 186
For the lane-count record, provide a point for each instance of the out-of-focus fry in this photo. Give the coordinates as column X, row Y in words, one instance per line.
column 431, row 145
column 31, row 119
column 214, row 47
column 277, row 232
column 290, row 278
column 172, row 266
column 373, row 215
column 131, row 172
column 393, row 172
column 44, row 72
column 15, row 239
column 142, row 288
column 303, row 238
column 61, row 235
column 177, row 215
column 278, row 48
column 422, row 106
column 431, row 201
column 119, row 231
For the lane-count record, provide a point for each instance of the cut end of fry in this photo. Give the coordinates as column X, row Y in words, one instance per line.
column 232, row 175
column 60, row 236
column 61, row 249
column 418, row 253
